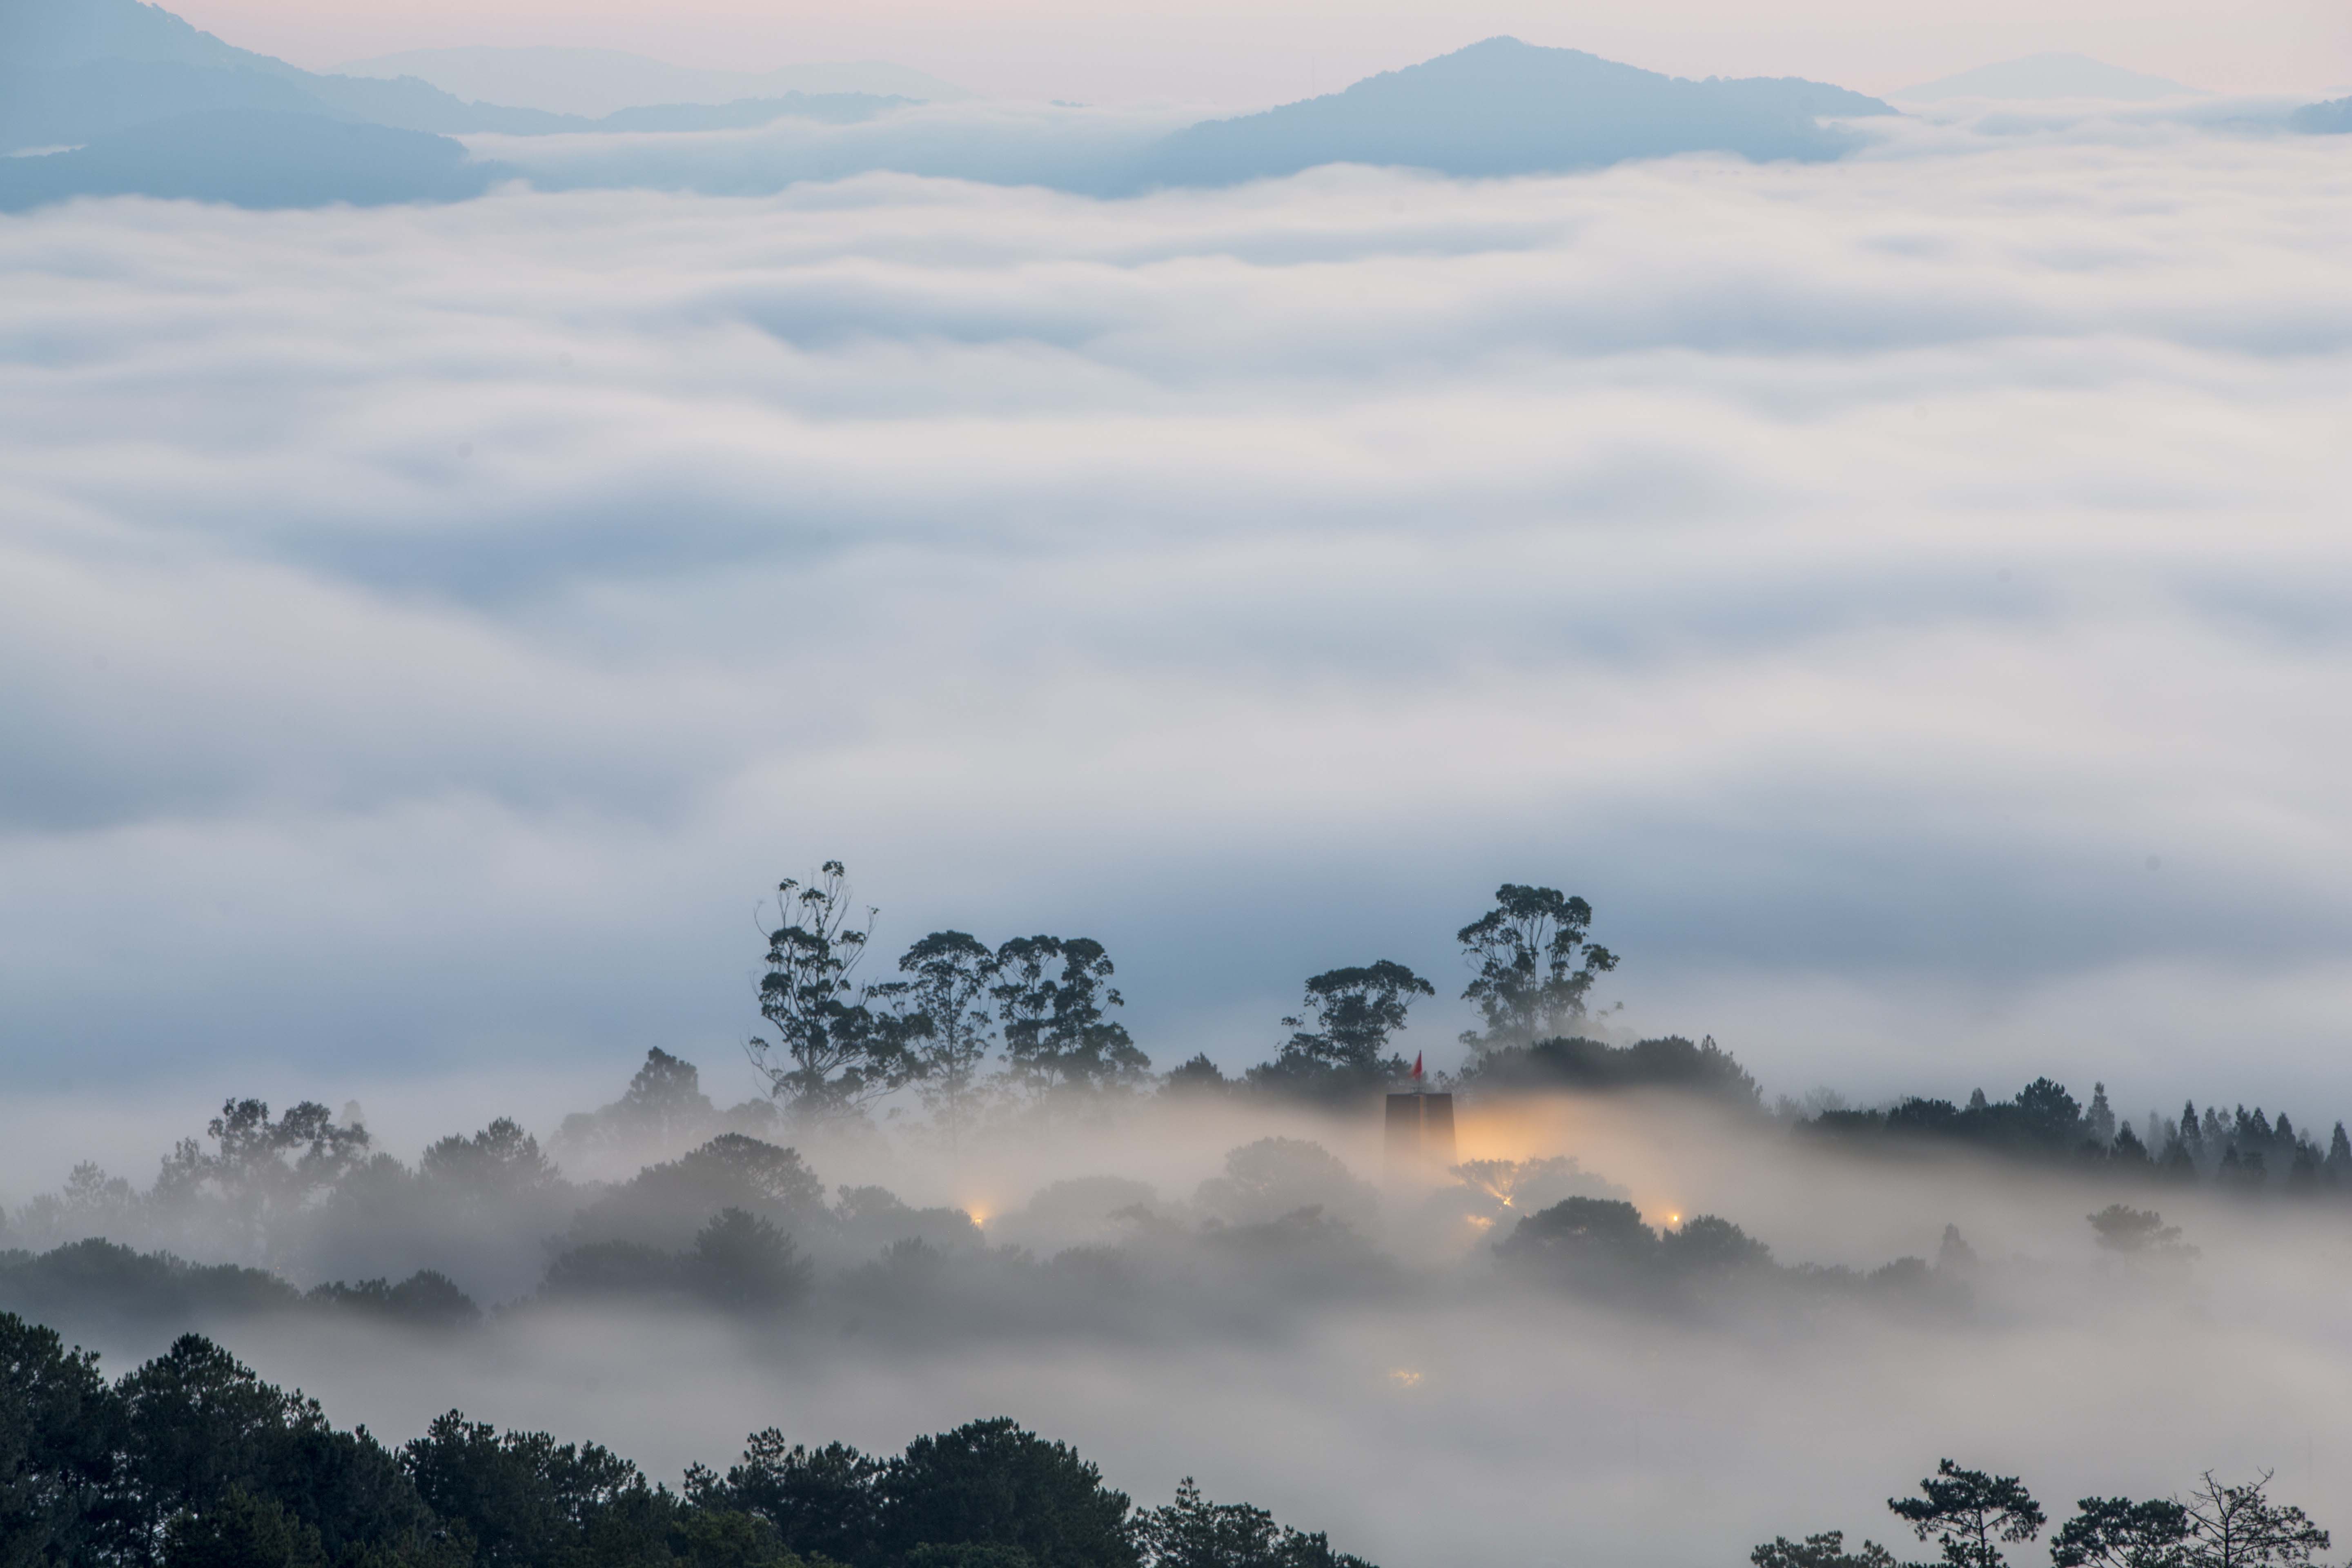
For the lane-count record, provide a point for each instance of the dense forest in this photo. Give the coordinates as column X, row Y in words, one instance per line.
column 663, row 1200
column 974, row 1030
column 1040, row 1007
column 192, row 1462
column 2239, row 1151
column 717, row 1207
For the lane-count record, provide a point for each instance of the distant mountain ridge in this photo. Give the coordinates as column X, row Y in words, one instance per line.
column 76, row 70
column 598, row 82
column 1504, row 107
column 2333, row 118
column 40, row 35
column 131, row 86
column 253, row 158
column 2050, row 76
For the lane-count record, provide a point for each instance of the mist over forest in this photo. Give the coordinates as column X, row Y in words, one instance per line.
column 955, row 1188
column 1586, row 777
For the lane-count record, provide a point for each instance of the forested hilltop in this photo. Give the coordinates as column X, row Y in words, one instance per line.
column 664, row 1198
column 1069, row 1202
column 192, row 1462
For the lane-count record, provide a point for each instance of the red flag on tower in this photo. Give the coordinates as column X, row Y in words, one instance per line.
column 1416, row 1067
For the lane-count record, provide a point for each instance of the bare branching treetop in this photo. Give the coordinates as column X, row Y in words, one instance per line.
column 1528, row 984
column 2240, row 1526
column 834, row 1047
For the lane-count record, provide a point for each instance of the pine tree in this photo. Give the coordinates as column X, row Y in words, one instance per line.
column 2214, row 1135
column 2179, row 1164
column 2099, row 1122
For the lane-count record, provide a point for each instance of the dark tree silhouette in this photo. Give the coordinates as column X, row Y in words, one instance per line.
column 821, row 1502
column 2134, row 1232
column 500, row 1162
column 2240, row 1526
column 842, row 1049
column 951, row 1031
column 1826, row 1550
column 259, row 1171
column 191, row 1461
column 1527, row 983
column 1194, row 1532
column 60, row 1432
column 992, row 1483
column 741, row 1262
column 1971, row 1513
column 1354, row 1012
column 2116, row 1532
column 1051, row 994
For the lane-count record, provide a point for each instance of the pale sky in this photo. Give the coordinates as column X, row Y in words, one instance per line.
column 1273, row 50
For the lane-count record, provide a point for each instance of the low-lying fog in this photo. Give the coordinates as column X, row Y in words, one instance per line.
column 1346, row 1347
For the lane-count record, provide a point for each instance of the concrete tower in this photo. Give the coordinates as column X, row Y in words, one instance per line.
column 1420, row 1133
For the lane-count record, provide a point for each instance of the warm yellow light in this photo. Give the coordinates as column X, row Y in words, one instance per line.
column 1405, row 1378
column 1483, row 1221
column 1674, row 1219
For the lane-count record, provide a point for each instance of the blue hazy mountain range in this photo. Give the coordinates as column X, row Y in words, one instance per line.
column 72, row 70
column 253, row 158
column 595, row 82
column 1498, row 107
column 131, row 87
column 2050, row 76
column 1502, row 107
column 145, row 103
column 2333, row 118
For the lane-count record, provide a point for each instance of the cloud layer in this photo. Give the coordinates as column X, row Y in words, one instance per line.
column 1905, row 595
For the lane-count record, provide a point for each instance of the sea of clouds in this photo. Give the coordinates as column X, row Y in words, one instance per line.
column 1906, row 596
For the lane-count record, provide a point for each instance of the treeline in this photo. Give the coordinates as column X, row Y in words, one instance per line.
column 973, row 1029
column 742, row 1227
column 192, row 1462
column 735, row 1224
column 306, row 1192
column 2240, row 1150
column 1972, row 1515
column 97, row 1278
column 1602, row 1248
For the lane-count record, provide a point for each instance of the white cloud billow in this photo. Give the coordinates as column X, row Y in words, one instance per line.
column 427, row 629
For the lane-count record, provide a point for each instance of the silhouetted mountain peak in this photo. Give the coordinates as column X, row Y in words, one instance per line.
column 1502, row 106
column 2050, row 76
column 42, row 35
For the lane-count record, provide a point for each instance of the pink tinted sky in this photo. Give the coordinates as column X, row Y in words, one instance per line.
column 1232, row 52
